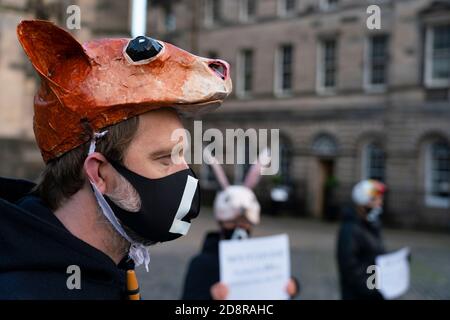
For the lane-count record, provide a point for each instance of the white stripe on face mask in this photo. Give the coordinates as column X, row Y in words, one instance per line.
column 179, row 226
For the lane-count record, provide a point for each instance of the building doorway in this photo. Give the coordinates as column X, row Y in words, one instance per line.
column 322, row 178
column 324, row 189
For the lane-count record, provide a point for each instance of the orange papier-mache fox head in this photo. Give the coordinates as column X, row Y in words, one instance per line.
column 88, row 87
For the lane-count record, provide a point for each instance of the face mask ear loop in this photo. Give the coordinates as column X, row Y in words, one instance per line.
column 138, row 252
column 97, row 135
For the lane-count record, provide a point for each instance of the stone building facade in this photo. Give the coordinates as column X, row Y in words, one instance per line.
column 350, row 102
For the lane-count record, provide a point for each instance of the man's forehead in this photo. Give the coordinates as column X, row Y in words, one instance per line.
column 157, row 129
column 160, row 120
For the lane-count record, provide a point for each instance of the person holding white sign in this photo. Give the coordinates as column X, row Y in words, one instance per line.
column 360, row 241
column 237, row 211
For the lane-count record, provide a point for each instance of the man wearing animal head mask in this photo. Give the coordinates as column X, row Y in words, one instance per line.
column 103, row 119
column 237, row 212
column 360, row 241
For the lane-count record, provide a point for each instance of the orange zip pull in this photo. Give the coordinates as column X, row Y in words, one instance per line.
column 132, row 286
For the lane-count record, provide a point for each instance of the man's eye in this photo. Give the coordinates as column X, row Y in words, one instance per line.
column 165, row 159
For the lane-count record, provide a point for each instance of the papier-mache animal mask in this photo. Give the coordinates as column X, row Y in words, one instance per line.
column 237, row 200
column 88, row 87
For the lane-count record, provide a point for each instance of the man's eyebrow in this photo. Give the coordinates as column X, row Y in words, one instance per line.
column 162, row 151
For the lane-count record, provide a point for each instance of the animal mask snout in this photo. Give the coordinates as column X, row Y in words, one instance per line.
column 220, row 68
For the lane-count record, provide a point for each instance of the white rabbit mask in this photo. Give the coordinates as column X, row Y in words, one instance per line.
column 234, row 201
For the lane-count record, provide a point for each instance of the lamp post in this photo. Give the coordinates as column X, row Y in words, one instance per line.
column 138, row 17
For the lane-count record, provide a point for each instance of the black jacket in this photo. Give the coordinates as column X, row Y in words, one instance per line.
column 359, row 242
column 36, row 251
column 203, row 270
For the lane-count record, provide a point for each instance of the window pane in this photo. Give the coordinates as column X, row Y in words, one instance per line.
column 329, row 63
column 215, row 10
column 441, row 52
column 286, row 67
column 440, row 169
column 251, row 8
column 212, row 11
column 329, row 4
column 247, row 60
column 212, row 55
column 289, row 5
column 375, row 162
column 378, row 60
column 169, row 19
column 284, row 163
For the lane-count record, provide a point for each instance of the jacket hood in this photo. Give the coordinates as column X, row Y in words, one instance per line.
column 37, row 250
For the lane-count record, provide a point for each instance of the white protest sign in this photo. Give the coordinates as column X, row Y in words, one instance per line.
column 256, row 269
column 393, row 273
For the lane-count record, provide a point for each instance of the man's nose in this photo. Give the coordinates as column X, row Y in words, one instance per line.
column 177, row 168
column 181, row 165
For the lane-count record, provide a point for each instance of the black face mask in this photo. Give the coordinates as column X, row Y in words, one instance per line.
column 167, row 204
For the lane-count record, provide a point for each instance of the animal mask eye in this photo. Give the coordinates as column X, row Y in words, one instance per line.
column 141, row 49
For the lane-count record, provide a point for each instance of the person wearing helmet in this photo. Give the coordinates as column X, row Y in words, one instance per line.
column 237, row 212
column 104, row 116
column 360, row 241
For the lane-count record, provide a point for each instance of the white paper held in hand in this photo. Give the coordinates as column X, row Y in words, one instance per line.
column 256, row 269
column 393, row 277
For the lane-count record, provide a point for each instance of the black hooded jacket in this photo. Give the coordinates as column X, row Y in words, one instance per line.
column 359, row 242
column 203, row 270
column 36, row 251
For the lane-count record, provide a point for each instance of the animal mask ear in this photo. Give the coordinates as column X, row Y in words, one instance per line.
column 217, row 168
column 54, row 53
column 254, row 173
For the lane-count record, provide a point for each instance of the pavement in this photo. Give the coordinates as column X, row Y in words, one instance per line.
column 312, row 245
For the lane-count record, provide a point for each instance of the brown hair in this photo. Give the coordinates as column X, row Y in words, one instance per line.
column 64, row 176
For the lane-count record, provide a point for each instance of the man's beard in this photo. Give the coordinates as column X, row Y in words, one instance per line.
column 126, row 197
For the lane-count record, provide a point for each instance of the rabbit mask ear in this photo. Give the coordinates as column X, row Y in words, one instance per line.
column 254, row 174
column 217, row 168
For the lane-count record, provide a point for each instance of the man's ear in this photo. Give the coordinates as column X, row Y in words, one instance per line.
column 54, row 53
column 92, row 167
